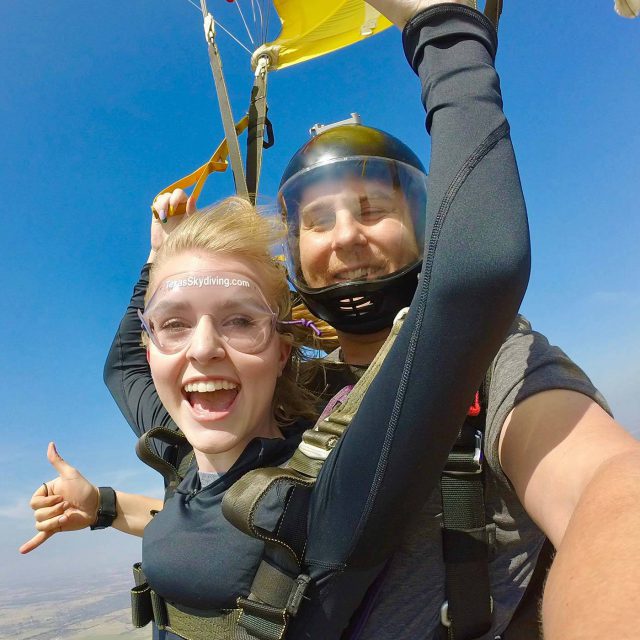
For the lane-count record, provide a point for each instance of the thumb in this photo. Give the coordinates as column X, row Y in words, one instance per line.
column 64, row 469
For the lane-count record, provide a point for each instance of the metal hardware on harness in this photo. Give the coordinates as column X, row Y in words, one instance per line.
column 445, row 620
column 475, row 463
column 295, row 599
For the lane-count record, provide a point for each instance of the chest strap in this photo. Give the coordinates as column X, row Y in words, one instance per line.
column 147, row 605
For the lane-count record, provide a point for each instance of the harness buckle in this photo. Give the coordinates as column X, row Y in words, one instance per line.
column 465, row 466
column 297, row 594
column 445, row 620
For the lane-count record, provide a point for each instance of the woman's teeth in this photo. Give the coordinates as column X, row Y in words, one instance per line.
column 210, row 385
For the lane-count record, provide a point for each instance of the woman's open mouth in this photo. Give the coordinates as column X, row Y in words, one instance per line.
column 211, row 399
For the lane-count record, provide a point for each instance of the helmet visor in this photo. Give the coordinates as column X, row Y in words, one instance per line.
column 236, row 305
column 353, row 219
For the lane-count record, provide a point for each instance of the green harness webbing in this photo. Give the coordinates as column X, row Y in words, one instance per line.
column 171, row 473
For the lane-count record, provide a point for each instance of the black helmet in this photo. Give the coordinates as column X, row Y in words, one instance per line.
column 354, row 200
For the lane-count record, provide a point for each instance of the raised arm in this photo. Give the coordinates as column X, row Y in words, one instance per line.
column 126, row 371
column 474, row 276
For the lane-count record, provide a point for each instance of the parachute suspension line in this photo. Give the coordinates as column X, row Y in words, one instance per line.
column 224, row 104
column 193, row 4
column 266, row 23
column 246, row 26
column 259, row 17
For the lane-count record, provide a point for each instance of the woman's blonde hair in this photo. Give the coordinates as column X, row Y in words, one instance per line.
column 235, row 228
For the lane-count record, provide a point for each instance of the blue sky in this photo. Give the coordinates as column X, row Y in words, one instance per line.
column 104, row 104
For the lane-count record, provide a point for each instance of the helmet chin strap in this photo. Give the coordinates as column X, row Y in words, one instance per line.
column 363, row 307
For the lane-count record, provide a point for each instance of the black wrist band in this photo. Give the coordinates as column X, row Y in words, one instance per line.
column 106, row 508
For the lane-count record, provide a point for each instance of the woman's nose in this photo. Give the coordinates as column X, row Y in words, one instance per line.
column 206, row 343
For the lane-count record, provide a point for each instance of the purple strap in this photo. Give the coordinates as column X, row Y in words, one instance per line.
column 304, row 323
column 339, row 398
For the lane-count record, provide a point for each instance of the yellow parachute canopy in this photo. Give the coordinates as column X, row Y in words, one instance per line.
column 311, row 28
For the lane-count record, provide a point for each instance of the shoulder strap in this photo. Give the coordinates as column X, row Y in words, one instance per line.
column 318, row 442
column 467, row 611
column 279, row 586
column 171, row 473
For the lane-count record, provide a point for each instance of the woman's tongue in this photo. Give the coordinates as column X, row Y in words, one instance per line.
column 211, row 402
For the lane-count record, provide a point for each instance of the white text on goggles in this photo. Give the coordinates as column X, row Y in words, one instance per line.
column 235, row 304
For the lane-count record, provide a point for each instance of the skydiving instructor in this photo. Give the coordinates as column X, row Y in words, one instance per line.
column 558, row 465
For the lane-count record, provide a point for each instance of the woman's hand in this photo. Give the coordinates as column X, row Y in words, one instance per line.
column 401, row 11
column 167, row 221
column 68, row 503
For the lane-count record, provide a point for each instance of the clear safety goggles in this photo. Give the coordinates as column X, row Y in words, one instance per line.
column 381, row 199
column 234, row 303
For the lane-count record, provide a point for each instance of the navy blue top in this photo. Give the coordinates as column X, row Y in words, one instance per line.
column 190, row 552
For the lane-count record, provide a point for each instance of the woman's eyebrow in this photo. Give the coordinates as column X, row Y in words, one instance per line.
column 166, row 305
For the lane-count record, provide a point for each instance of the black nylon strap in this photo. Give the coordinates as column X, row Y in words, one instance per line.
column 255, row 133
column 467, row 611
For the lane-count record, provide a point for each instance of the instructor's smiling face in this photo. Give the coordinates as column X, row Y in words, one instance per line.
column 354, row 229
column 219, row 397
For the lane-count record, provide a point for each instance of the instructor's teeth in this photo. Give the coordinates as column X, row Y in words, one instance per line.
column 355, row 274
column 202, row 387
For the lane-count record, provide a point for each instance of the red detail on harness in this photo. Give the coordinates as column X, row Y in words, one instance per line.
column 474, row 409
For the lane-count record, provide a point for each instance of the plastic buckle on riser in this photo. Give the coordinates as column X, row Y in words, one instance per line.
column 296, row 596
column 445, row 620
column 475, row 463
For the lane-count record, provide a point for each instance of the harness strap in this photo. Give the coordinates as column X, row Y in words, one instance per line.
column 279, row 585
column 255, row 132
column 224, row 104
column 146, row 453
column 147, row 605
column 467, row 612
column 320, row 440
column 251, row 620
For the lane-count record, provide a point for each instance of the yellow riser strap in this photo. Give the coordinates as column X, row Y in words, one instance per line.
column 217, row 162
